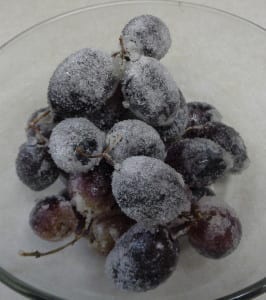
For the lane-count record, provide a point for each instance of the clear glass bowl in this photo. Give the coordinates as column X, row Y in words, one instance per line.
column 215, row 57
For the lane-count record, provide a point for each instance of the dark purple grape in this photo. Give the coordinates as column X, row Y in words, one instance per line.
column 53, row 218
column 200, row 113
column 228, row 138
column 35, row 167
column 217, row 232
column 150, row 92
column 149, row 34
column 43, row 127
column 149, row 191
column 142, row 258
column 200, row 161
column 82, row 83
column 92, row 192
column 107, row 228
column 72, row 141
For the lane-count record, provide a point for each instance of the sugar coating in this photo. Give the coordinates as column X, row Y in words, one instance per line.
column 132, row 138
column 228, row 138
column 35, row 167
column 82, row 83
column 149, row 191
column 175, row 131
column 150, row 34
column 142, row 258
column 201, row 113
column 65, row 138
column 150, row 92
column 199, row 160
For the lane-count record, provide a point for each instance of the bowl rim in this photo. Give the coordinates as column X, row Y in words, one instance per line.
column 23, row 288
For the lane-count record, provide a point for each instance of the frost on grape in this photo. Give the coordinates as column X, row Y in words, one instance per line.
column 65, row 139
column 149, row 191
column 82, row 83
column 142, row 259
column 150, row 92
column 132, row 138
column 150, row 35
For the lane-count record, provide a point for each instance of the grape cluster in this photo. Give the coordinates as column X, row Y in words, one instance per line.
column 136, row 159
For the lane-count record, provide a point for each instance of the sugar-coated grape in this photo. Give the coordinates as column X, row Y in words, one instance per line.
column 149, row 33
column 35, row 167
column 217, row 232
column 106, row 230
column 150, row 92
column 172, row 133
column 148, row 190
column 53, row 218
column 201, row 113
column 44, row 126
column 82, row 83
column 142, row 258
column 228, row 138
column 199, row 160
column 132, row 138
column 91, row 192
column 69, row 136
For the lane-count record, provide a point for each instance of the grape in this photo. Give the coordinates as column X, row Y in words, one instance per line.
column 69, row 136
column 201, row 113
column 228, row 138
column 150, row 92
column 200, row 161
column 132, row 138
column 148, row 190
column 149, row 33
column 53, row 218
column 44, row 126
column 34, row 166
column 82, row 83
column 91, row 192
column 217, row 232
column 107, row 228
column 142, row 258
column 174, row 132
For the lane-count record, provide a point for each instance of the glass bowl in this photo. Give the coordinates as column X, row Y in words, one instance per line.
column 215, row 57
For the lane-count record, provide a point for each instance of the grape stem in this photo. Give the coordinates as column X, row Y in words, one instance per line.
column 123, row 52
column 38, row 119
column 105, row 154
column 33, row 125
column 38, row 254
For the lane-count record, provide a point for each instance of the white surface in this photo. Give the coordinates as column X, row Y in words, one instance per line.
column 17, row 15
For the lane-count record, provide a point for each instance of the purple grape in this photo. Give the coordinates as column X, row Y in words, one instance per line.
column 228, row 138
column 53, row 218
column 35, row 167
column 150, row 35
column 142, row 258
column 91, row 192
column 217, row 232
column 199, row 113
column 82, row 83
column 200, row 161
